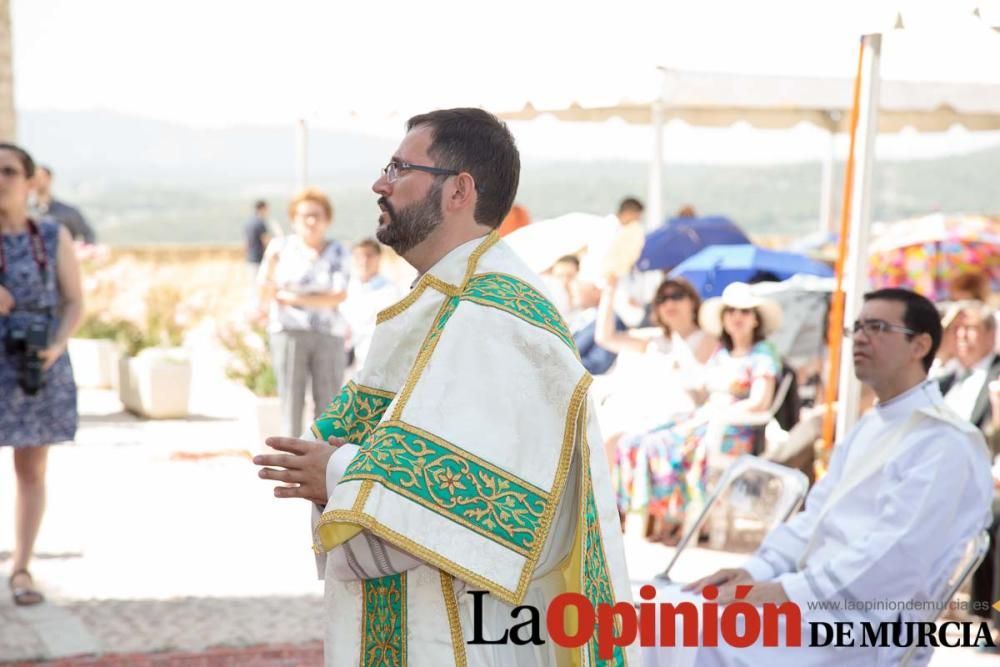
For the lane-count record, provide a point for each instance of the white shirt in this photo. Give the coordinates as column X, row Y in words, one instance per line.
column 899, row 533
column 962, row 395
column 361, row 307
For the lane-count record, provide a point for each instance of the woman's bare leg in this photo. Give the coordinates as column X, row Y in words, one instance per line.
column 29, row 467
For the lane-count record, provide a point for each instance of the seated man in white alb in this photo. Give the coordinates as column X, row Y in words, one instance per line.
column 907, row 488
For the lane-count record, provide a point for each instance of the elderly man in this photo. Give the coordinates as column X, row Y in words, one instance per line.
column 466, row 484
column 906, row 490
column 965, row 388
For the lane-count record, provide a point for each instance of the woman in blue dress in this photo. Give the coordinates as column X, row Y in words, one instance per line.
column 40, row 306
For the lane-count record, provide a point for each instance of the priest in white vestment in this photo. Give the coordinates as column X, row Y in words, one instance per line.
column 907, row 488
column 467, row 457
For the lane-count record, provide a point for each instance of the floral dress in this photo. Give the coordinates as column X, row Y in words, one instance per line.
column 663, row 469
column 49, row 416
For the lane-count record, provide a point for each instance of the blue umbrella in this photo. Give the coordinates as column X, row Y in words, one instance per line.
column 680, row 238
column 714, row 268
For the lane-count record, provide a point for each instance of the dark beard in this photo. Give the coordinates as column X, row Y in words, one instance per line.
column 409, row 226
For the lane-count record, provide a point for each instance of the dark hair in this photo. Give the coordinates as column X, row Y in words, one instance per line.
column 630, row 204
column 23, row 156
column 371, row 244
column 764, row 277
column 919, row 315
column 758, row 330
column 975, row 282
column 476, row 142
column 259, row 204
column 569, row 259
column 689, row 291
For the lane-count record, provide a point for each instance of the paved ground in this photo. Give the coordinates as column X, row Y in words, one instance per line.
column 161, row 548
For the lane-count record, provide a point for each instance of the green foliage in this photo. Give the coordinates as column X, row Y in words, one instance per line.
column 160, row 329
column 250, row 361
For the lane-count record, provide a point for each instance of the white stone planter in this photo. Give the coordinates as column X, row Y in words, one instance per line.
column 156, row 383
column 95, row 362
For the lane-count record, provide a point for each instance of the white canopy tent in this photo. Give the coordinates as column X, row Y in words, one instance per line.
column 709, row 99
column 719, row 100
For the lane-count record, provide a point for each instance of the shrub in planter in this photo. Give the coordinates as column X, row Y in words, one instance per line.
column 155, row 374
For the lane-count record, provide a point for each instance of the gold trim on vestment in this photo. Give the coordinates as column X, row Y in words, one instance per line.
column 427, row 348
column 430, row 280
column 328, row 529
column 454, row 623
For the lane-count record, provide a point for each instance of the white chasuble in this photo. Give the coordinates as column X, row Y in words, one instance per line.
column 480, row 459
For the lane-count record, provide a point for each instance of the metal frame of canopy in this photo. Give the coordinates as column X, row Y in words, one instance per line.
column 704, row 99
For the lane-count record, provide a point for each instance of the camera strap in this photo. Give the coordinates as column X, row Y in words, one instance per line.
column 37, row 249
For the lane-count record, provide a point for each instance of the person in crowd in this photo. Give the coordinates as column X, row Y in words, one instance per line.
column 585, row 296
column 965, row 388
column 368, row 292
column 967, row 391
column 907, row 488
column 559, row 279
column 649, row 389
column 517, row 218
column 48, row 208
column 257, row 235
column 41, row 303
column 303, row 280
column 969, row 286
column 664, row 469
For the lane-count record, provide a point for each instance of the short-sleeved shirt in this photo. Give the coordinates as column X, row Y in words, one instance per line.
column 300, row 270
column 731, row 375
column 254, row 231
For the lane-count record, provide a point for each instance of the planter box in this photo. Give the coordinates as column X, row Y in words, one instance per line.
column 95, row 362
column 156, row 383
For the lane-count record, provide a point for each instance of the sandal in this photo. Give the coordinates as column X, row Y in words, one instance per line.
column 25, row 596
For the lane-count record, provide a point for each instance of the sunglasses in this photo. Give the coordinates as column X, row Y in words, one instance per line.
column 745, row 311
column 663, row 297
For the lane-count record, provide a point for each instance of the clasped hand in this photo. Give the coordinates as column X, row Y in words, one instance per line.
column 302, row 470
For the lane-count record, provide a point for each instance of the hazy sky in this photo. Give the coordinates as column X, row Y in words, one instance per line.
column 366, row 65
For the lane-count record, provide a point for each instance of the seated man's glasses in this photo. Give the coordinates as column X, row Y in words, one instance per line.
column 875, row 328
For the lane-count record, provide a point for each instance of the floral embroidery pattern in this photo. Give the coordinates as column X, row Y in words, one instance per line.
column 353, row 414
column 452, row 483
column 384, row 622
column 520, row 299
column 596, row 580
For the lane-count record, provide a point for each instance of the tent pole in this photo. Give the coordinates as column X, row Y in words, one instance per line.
column 835, row 333
column 654, row 205
column 849, row 397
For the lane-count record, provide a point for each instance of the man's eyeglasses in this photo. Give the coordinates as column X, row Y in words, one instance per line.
column 10, row 172
column 392, row 170
column 663, row 297
column 875, row 327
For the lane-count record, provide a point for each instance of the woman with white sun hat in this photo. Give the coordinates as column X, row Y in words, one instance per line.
column 663, row 469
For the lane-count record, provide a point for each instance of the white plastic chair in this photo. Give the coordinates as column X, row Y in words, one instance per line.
column 746, row 473
column 975, row 551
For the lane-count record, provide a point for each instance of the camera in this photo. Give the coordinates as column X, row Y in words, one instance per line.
column 24, row 341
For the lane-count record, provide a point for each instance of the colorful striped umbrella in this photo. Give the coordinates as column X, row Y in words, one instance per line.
column 926, row 254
